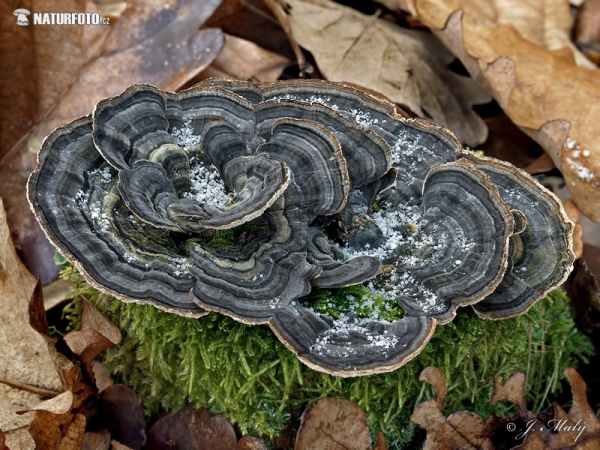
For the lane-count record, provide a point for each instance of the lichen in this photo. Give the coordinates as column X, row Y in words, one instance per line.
column 246, row 373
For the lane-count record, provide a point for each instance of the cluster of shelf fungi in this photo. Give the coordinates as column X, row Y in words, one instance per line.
column 331, row 188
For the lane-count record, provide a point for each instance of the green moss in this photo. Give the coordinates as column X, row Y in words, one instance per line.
column 245, row 372
column 357, row 299
column 222, row 238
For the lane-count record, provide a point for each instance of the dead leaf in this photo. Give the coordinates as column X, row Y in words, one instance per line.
column 191, row 429
column 572, row 210
column 333, row 423
column 56, row 71
column 96, row 440
column 543, row 164
column 96, row 335
column 399, row 5
column 24, row 357
column 409, row 67
column 52, row 432
column 154, row 42
column 466, row 430
column 120, row 412
column 114, row 445
column 3, row 441
column 101, row 376
column 18, row 96
column 586, row 32
column 244, row 60
column 250, row 443
column 541, row 89
column 584, row 293
column 251, row 20
column 578, row 241
column 56, row 293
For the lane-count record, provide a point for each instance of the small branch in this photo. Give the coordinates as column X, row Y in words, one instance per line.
column 26, row 387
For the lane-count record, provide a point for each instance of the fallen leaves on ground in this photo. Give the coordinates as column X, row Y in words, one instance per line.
column 409, row 67
column 24, row 357
column 120, row 412
column 532, row 77
column 192, row 429
column 335, row 423
column 550, row 429
column 586, row 31
column 244, row 60
column 61, row 421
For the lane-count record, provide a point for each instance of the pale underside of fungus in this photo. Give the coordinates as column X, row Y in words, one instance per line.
column 320, row 186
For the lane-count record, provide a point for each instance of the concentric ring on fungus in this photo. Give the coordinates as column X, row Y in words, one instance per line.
column 243, row 199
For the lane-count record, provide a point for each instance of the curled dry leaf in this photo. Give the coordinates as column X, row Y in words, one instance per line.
column 539, row 86
column 54, row 425
column 333, row 423
column 464, row 429
column 24, row 357
column 192, row 429
column 96, row 335
column 409, row 67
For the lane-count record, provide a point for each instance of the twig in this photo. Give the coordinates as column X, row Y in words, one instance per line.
column 27, row 387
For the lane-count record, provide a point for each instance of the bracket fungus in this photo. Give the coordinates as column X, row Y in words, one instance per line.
column 320, row 186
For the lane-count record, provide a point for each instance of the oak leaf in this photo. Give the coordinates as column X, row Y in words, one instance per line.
column 539, row 86
column 23, row 355
column 550, row 429
column 409, row 67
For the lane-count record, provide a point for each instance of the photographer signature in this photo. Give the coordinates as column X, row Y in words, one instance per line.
column 556, row 425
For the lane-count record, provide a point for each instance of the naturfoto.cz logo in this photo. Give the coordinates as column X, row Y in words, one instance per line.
column 60, row 18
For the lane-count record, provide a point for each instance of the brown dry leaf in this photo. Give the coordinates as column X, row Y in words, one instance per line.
column 57, row 70
column 96, row 440
column 542, row 90
column 572, row 210
column 543, row 164
column 578, row 241
column 250, row 443
column 191, row 429
column 467, row 430
column 24, row 356
column 445, row 433
column 56, row 293
column 584, row 293
column 61, row 421
column 399, row 5
column 101, row 376
column 244, row 60
column 96, row 335
column 114, row 445
column 409, row 67
column 3, row 441
column 18, row 96
column 251, row 20
column 55, row 425
column 156, row 42
column 586, row 32
column 333, row 423
column 120, row 412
